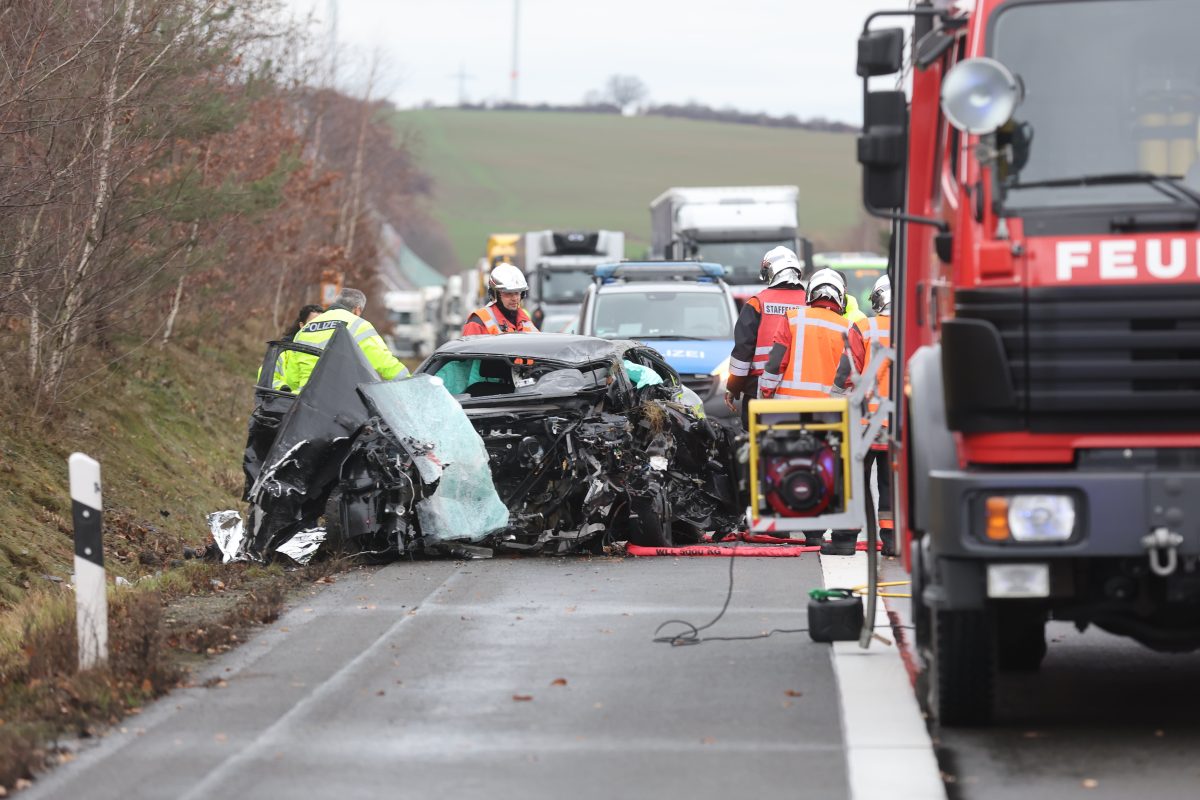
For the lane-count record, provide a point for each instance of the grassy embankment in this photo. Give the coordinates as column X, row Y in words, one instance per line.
column 518, row 171
column 167, row 426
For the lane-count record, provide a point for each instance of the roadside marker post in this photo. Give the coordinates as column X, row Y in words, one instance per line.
column 91, row 599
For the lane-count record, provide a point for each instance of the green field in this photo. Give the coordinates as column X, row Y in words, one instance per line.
column 513, row 171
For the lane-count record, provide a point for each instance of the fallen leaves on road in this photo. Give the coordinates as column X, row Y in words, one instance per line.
column 326, row 579
column 522, row 698
column 793, row 693
column 559, row 682
column 708, row 740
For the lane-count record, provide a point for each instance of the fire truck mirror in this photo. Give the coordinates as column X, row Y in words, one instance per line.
column 880, row 52
column 882, row 149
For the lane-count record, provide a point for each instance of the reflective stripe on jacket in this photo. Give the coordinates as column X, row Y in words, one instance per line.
column 814, row 342
column 494, row 322
column 298, row 366
column 877, row 330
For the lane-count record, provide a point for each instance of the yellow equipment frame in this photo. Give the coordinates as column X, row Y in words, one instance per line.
column 856, row 440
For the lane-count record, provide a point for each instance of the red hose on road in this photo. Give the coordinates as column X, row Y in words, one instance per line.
column 716, row 550
column 782, row 548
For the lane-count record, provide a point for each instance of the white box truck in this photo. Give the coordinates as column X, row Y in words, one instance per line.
column 730, row 225
column 559, row 266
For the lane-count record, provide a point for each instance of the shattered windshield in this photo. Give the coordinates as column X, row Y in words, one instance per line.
column 1118, row 94
column 663, row 315
column 486, row 377
column 433, row 426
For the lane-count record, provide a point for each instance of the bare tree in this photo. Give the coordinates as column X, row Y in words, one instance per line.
column 625, row 90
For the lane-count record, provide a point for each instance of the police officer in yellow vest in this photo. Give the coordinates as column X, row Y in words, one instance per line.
column 346, row 311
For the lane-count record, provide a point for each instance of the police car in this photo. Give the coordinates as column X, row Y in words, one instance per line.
column 683, row 309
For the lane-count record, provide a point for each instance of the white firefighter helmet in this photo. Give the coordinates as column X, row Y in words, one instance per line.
column 506, row 278
column 778, row 261
column 785, row 269
column 828, row 284
column 881, row 295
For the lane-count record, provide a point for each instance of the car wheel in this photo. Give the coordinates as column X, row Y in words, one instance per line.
column 650, row 518
column 335, row 532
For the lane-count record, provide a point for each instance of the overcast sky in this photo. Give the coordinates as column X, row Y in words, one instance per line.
column 778, row 56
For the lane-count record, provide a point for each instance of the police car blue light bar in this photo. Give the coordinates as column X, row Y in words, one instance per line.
column 659, row 270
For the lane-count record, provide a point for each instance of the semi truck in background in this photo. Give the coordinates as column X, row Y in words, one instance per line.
column 406, row 312
column 452, row 307
column 729, row 225
column 1046, row 318
column 558, row 266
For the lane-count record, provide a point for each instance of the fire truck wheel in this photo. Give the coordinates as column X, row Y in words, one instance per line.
column 1020, row 637
column 920, row 611
column 962, row 669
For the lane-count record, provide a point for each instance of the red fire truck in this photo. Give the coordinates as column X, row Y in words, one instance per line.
column 1044, row 189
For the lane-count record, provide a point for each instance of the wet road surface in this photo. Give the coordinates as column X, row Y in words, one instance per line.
column 1103, row 718
column 522, row 678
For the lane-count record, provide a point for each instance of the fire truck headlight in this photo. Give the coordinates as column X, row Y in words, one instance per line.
column 979, row 95
column 1041, row 517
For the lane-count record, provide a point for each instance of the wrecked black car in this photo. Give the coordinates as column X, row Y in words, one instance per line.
column 533, row 443
column 591, row 440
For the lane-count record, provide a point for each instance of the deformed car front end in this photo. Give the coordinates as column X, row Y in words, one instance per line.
column 590, row 441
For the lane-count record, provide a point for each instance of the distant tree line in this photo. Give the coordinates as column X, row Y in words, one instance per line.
column 694, row 110
column 690, row 110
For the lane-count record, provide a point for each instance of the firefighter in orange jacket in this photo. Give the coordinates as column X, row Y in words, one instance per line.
column 507, row 287
column 865, row 335
column 761, row 318
column 804, row 360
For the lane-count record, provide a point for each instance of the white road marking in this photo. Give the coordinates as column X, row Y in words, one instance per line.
column 888, row 750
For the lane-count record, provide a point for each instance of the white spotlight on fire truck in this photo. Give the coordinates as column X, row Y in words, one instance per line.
column 979, row 95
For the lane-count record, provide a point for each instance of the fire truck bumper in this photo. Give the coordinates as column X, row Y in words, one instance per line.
column 1058, row 533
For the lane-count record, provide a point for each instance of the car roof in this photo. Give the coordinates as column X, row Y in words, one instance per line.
column 641, row 287
column 566, row 347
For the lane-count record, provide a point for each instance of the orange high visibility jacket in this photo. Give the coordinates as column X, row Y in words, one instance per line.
column 876, row 330
column 804, row 357
column 489, row 320
column 762, row 317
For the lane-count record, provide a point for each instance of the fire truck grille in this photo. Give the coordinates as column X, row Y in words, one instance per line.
column 1120, row 359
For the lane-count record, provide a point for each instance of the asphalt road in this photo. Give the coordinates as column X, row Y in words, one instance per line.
column 530, row 678
column 1103, row 718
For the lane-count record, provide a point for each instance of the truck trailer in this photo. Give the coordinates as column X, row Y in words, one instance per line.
column 558, row 266
column 730, row 225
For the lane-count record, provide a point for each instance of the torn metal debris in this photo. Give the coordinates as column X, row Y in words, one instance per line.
column 591, row 440
column 547, row 443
